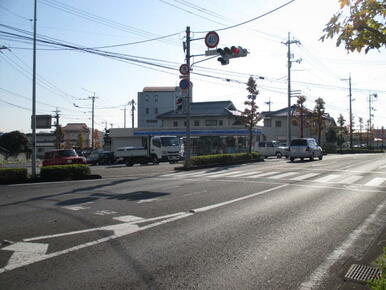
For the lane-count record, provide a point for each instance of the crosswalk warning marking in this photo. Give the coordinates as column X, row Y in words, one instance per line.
column 327, row 178
column 350, row 179
column 375, row 181
column 305, row 176
column 225, row 174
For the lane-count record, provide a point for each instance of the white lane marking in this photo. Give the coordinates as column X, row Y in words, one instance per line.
column 322, row 271
column 148, row 200
column 105, row 212
column 327, row 178
column 25, row 253
column 263, row 174
column 375, row 181
column 350, row 179
column 283, row 175
column 224, row 174
column 306, row 176
column 383, row 166
column 209, row 207
column 246, row 174
column 182, row 174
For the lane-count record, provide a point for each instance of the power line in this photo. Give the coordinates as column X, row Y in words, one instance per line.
column 250, row 20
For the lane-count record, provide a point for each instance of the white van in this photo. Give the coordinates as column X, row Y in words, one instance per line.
column 271, row 148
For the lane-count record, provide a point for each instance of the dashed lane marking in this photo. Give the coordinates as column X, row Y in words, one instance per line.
column 375, row 181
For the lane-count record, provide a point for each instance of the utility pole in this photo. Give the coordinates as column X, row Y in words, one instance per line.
column 269, row 104
column 289, row 63
column 132, row 103
column 350, row 95
column 370, row 114
column 188, row 144
column 124, row 116
column 33, row 121
column 92, row 121
column 57, row 133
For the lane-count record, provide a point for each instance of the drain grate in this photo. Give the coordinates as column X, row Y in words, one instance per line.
column 362, row 273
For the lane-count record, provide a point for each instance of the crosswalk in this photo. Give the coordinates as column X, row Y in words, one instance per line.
column 320, row 177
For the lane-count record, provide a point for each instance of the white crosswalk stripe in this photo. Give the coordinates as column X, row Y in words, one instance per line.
column 262, row 174
column 284, row 175
column 327, row 178
column 246, row 174
column 305, row 176
column 377, row 181
column 224, row 174
column 350, row 179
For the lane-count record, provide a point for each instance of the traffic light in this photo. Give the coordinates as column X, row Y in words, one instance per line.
column 230, row 52
column 179, row 104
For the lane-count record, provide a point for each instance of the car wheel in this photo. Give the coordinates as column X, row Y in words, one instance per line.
column 321, row 157
column 312, row 157
column 301, row 158
column 279, row 155
column 129, row 163
column 292, row 159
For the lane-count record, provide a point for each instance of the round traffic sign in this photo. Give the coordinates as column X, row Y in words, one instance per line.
column 212, row 39
column 184, row 84
column 184, row 69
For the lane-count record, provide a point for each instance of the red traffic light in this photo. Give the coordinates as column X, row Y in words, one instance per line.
column 235, row 50
column 178, row 101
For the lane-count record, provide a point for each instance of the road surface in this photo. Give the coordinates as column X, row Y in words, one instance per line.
column 268, row 225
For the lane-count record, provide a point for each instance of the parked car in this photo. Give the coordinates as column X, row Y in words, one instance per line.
column 305, row 148
column 62, row 157
column 101, row 157
column 271, row 148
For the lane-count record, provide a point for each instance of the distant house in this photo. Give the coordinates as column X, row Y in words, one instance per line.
column 276, row 125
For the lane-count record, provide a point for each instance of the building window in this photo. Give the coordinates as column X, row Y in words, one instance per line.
column 175, row 123
column 220, row 122
column 146, row 98
column 155, row 110
column 277, row 124
column 196, row 123
column 156, row 98
column 185, row 124
column 147, row 111
column 267, row 123
column 210, row 122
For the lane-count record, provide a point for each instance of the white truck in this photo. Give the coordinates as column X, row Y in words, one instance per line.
column 153, row 149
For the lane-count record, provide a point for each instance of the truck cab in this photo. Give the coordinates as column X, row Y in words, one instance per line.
column 166, row 148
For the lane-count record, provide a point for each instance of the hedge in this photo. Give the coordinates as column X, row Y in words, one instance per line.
column 217, row 159
column 354, row 150
column 64, row 172
column 13, row 175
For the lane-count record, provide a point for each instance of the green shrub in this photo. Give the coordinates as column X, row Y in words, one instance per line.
column 12, row 175
column 217, row 159
column 356, row 150
column 64, row 172
column 380, row 284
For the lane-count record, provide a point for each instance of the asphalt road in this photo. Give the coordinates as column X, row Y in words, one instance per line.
column 271, row 225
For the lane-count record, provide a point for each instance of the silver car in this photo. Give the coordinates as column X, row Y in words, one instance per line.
column 305, row 148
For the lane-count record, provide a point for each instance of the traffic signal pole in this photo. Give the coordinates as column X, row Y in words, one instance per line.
column 188, row 147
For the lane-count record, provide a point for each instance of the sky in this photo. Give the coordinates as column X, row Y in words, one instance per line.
column 66, row 78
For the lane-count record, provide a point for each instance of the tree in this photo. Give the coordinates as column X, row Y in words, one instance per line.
column 15, row 142
column 360, row 130
column 250, row 115
column 362, row 28
column 342, row 131
column 318, row 115
column 97, row 142
column 80, row 141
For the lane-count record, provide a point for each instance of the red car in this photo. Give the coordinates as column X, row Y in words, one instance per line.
column 62, row 157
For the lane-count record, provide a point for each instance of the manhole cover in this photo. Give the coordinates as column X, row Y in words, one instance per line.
column 362, row 273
